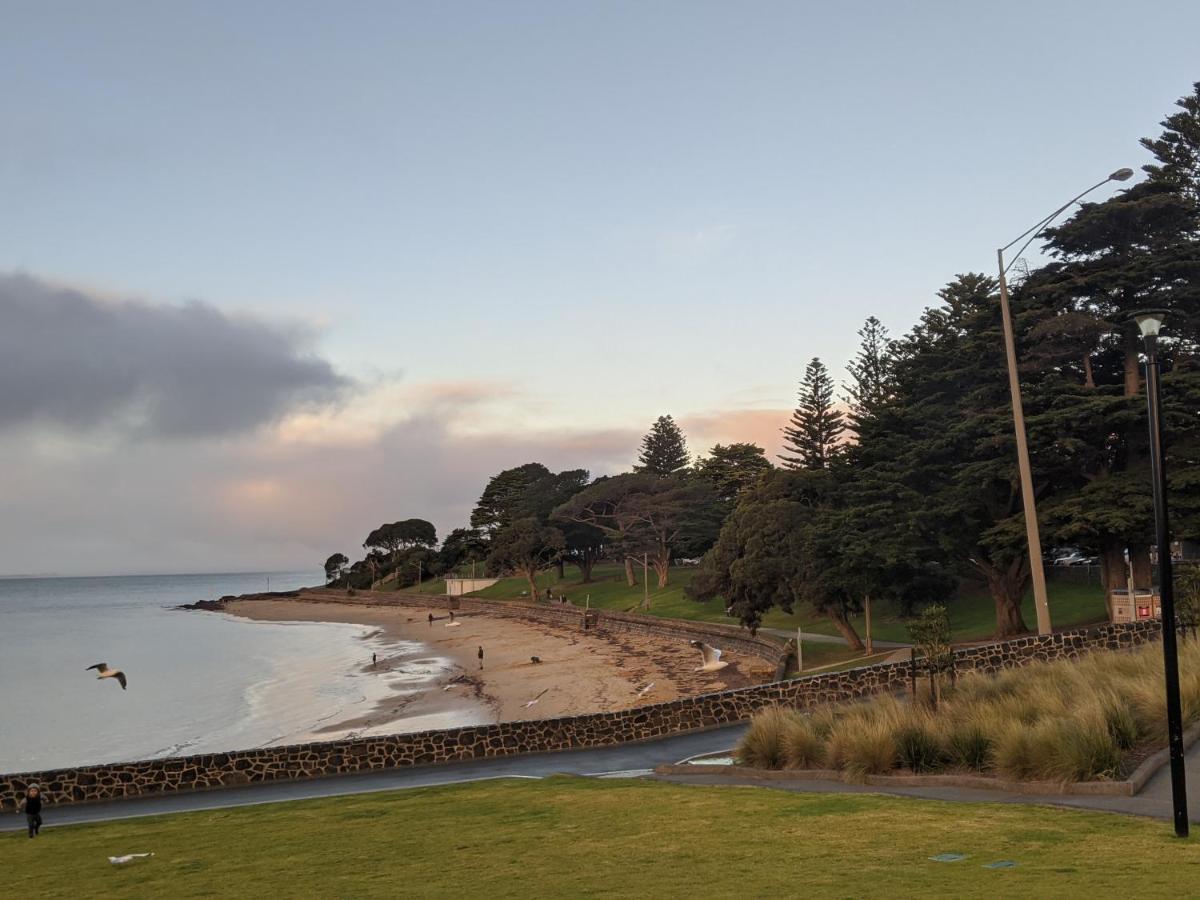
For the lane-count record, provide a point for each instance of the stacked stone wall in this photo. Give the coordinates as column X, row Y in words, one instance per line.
column 327, row 758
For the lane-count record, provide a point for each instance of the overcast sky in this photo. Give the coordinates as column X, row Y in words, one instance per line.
column 273, row 273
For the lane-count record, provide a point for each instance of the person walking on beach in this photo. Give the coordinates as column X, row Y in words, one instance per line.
column 431, row 620
column 480, row 654
column 31, row 803
column 373, row 657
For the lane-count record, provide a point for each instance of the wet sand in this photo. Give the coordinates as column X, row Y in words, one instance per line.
column 579, row 671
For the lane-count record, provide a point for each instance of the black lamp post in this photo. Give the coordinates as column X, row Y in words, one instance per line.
column 1149, row 322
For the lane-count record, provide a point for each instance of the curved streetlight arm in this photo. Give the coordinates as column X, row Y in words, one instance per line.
column 1042, row 224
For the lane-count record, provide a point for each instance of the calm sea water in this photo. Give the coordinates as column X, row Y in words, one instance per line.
column 198, row 681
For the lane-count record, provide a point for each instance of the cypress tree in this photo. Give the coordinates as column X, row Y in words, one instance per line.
column 664, row 450
column 812, row 438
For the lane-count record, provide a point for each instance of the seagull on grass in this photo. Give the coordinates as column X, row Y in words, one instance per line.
column 106, row 672
column 710, row 655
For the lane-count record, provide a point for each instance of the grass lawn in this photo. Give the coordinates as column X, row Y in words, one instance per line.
column 569, row 837
column 972, row 614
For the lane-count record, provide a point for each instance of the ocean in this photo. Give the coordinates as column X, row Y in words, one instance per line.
column 198, row 681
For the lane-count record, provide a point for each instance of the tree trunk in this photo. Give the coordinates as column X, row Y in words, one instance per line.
column 853, row 641
column 1133, row 375
column 562, row 575
column 661, row 562
column 1143, row 571
column 1089, row 377
column 1113, row 574
column 531, row 577
column 1007, row 587
column 584, row 562
column 630, row 581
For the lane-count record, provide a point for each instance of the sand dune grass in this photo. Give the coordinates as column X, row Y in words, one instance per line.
column 1064, row 721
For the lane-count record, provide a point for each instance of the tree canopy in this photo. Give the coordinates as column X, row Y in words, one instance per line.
column 664, row 449
column 811, row 440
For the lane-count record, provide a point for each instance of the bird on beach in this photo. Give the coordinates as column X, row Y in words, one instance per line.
column 710, row 655
column 536, row 699
column 106, row 672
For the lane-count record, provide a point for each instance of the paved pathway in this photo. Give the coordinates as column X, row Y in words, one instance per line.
column 624, row 759
column 831, row 639
column 1154, row 799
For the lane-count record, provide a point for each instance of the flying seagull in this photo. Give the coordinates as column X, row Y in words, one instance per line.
column 645, row 690
column 106, row 672
column 711, row 655
column 535, row 699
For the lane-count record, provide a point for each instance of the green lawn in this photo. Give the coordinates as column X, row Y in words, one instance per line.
column 972, row 613
column 570, row 837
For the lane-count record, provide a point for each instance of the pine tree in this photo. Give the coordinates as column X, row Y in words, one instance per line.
column 812, row 439
column 664, row 450
column 870, row 371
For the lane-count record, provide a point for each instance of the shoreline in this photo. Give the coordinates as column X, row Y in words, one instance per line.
column 579, row 672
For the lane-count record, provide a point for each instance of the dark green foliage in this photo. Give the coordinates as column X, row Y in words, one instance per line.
column 664, row 450
column 968, row 746
column 334, row 566
column 918, row 747
column 525, row 548
column 733, row 468
column 871, row 378
column 652, row 514
column 462, row 546
column 497, row 505
column 811, row 440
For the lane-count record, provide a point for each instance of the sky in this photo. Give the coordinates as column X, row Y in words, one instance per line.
column 274, row 273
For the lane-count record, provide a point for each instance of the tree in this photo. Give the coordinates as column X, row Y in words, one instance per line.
column 525, row 548
column 334, row 566
column 1134, row 250
column 778, row 549
column 870, row 371
column 497, row 504
column 664, row 450
column 811, row 440
column 415, row 533
column 651, row 514
column 462, row 545
column 733, row 468
column 938, row 458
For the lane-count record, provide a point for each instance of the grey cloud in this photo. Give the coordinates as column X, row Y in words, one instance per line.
column 75, row 360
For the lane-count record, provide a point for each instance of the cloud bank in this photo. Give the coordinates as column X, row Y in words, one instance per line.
column 81, row 362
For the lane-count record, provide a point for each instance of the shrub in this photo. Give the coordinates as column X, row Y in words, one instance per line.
column 1083, row 749
column 803, row 747
column 863, row 747
column 762, row 745
column 968, row 745
column 918, row 747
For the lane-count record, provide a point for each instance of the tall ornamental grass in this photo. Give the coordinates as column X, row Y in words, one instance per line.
column 1064, row 721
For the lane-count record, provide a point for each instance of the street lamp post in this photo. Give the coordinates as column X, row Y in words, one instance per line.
column 1149, row 322
column 1036, row 569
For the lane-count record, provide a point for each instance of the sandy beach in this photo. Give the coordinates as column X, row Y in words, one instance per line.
column 578, row 671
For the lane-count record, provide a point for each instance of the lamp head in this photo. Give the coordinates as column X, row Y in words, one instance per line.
column 1149, row 321
column 1121, row 175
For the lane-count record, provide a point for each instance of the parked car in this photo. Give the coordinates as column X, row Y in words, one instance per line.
column 1074, row 558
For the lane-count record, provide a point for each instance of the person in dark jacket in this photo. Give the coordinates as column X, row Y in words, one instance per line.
column 480, row 657
column 31, row 804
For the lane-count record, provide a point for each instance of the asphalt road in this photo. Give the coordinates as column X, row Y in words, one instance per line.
column 625, row 759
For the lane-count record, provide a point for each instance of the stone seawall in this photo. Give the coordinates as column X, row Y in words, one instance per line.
column 313, row 760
